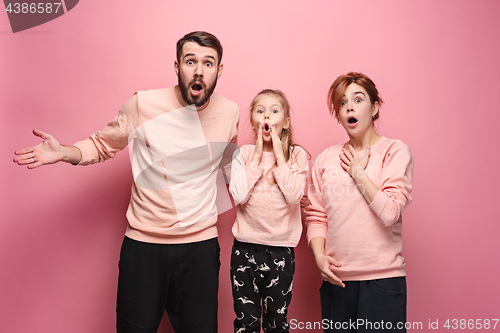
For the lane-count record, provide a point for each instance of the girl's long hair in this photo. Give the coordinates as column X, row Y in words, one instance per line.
column 286, row 133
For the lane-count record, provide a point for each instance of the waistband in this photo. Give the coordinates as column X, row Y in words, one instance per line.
column 260, row 247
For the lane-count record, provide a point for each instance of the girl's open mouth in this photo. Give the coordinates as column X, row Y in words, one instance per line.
column 266, row 128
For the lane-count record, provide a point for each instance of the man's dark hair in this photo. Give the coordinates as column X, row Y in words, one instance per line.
column 201, row 38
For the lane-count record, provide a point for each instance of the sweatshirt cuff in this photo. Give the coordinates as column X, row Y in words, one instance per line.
column 281, row 171
column 316, row 231
column 378, row 203
column 85, row 147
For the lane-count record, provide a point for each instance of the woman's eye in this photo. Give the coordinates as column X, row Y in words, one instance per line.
column 342, row 103
column 358, row 100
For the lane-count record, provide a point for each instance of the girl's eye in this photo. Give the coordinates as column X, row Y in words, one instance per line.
column 358, row 100
column 275, row 111
column 260, row 111
column 342, row 103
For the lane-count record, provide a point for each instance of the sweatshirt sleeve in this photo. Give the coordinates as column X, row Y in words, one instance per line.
column 316, row 220
column 104, row 144
column 394, row 193
column 291, row 177
column 244, row 175
column 232, row 146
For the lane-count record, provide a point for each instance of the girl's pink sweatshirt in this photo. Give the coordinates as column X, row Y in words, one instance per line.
column 268, row 210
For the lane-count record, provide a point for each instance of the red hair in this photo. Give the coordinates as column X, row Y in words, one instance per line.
column 337, row 90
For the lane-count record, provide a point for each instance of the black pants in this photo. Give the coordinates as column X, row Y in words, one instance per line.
column 180, row 278
column 365, row 306
column 262, row 281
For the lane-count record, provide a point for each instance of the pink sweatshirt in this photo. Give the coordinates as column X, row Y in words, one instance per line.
column 365, row 239
column 174, row 153
column 268, row 210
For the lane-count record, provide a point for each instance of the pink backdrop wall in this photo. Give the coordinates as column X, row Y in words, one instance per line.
column 436, row 66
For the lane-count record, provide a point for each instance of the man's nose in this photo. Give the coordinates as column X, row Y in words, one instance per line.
column 198, row 71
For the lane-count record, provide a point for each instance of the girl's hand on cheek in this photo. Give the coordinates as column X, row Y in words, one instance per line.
column 259, row 146
column 277, row 147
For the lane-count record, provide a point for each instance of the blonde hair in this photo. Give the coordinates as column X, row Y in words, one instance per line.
column 286, row 133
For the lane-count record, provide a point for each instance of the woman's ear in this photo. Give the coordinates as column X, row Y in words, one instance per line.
column 374, row 109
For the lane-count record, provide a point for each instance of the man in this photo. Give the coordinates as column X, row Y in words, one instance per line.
column 179, row 135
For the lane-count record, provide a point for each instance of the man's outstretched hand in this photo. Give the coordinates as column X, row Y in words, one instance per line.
column 48, row 152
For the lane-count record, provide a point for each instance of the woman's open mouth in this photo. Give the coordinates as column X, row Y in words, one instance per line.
column 352, row 121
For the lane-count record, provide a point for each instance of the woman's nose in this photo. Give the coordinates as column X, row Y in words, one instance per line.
column 350, row 107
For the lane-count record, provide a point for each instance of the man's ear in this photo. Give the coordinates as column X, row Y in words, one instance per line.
column 176, row 67
column 219, row 70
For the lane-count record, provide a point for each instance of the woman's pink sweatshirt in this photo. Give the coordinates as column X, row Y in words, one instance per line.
column 268, row 210
column 365, row 239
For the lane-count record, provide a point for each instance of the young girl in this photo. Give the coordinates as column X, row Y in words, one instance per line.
column 267, row 183
column 359, row 191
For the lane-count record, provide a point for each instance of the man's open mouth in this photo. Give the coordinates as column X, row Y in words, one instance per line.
column 197, row 87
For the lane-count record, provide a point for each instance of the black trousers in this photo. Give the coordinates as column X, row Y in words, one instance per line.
column 364, row 306
column 262, row 282
column 182, row 279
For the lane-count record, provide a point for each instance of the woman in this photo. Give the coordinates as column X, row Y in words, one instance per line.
column 359, row 191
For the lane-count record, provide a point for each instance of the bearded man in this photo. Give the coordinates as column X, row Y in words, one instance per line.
column 169, row 258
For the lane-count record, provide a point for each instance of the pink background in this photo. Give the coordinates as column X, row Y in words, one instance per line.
column 436, row 64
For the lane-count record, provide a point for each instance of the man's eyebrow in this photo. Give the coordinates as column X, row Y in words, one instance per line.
column 192, row 54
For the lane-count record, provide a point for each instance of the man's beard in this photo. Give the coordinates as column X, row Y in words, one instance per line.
column 196, row 100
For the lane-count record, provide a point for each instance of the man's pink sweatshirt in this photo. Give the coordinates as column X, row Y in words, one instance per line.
column 175, row 152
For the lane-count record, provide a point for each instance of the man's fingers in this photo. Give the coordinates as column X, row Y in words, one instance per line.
column 34, row 165
column 41, row 134
column 24, row 151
